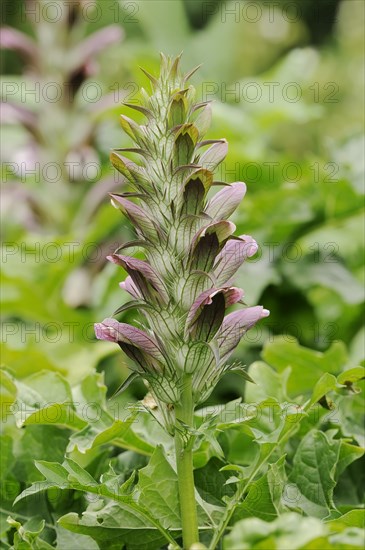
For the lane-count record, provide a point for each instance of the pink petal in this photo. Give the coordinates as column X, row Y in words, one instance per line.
column 225, row 202
column 234, row 327
column 231, row 257
column 231, row 296
column 144, row 277
column 113, row 331
column 214, row 155
column 130, row 287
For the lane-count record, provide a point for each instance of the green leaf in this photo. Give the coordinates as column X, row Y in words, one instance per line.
column 313, row 473
column 307, row 365
column 288, row 532
column 351, row 375
column 348, row 454
column 210, row 481
column 268, row 383
column 107, row 431
column 115, row 522
column 325, row 384
column 27, row 536
column 67, row 540
column 349, row 414
column 45, row 398
column 264, row 496
column 333, row 275
column 159, row 490
column 354, row 518
column 76, row 474
column 38, row 487
column 53, row 472
column 33, row 443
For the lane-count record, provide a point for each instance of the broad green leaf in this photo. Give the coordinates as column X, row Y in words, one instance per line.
column 288, row 532
column 313, row 473
column 210, row 481
column 264, row 496
column 6, row 456
column 45, row 398
column 354, row 518
column 33, row 443
column 325, row 384
column 67, row 540
column 159, row 489
column 76, row 474
column 333, row 275
column 268, row 383
column 349, row 414
column 106, row 431
column 307, row 365
column 348, row 454
column 39, row 487
column 115, row 522
column 53, row 472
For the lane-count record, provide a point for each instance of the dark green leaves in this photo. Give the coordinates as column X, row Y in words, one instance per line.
column 314, row 473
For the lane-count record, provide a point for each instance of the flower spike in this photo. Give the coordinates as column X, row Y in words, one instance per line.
column 182, row 286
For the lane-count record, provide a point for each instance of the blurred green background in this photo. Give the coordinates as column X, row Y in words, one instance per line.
column 288, row 88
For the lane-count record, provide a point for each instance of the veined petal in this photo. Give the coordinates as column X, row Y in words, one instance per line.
column 203, row 120
column 113, row 331
column 144, row 277
column 207, row 313
column 129, row 286
column 235, row 325
column 231, row 257
column 136, row 343
column 225, row 202
column 214, row 155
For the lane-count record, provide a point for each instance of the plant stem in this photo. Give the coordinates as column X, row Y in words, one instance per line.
column 184, row 464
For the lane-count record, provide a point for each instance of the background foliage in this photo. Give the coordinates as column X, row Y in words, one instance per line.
column 288, row 94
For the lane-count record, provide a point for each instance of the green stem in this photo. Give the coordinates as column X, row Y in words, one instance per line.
column 184, row 463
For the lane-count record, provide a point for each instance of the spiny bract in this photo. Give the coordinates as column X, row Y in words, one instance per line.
column 182, row 288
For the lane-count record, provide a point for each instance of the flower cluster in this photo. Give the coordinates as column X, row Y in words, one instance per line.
column 182, row 288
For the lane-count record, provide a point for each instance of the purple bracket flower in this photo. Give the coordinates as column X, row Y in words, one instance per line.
column 232, row 256
column 234, row 326
column 225, row 202
column 146, row 280
column 138, row 345
column 207, row 313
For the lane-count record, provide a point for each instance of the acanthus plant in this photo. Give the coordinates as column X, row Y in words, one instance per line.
column 183, row 286
column 51, row 105
column 58, row 125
